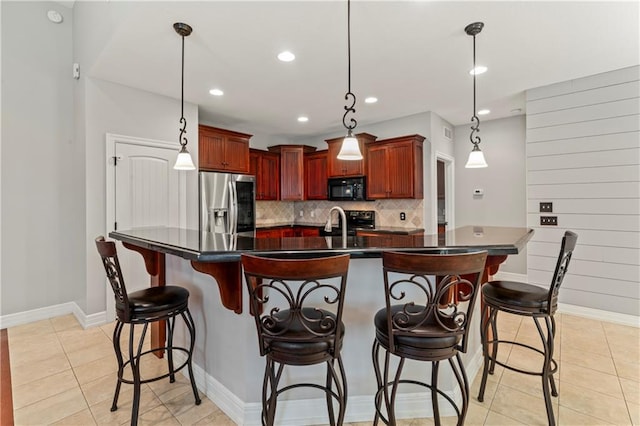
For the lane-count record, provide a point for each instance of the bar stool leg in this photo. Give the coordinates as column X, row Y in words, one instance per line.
column 116, row 346
column 330, row 372
column 493, row 317
column 135, row 369
column 171, row 323
column 554, row 390
column 394, row 391
column 188, row 319
column 343, row 394
column 463, row 382
column 434, row 394
column 375, row 353
column 545, row 372
column 485, row 351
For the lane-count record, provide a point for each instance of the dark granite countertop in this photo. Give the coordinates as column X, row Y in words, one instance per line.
column 209, row 247
column 394, row 230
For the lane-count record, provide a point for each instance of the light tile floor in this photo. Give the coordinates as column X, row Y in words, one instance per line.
column 64, row 375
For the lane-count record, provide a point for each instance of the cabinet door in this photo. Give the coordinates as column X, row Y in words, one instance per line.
column 315, row 176
column 211, row 151
column 339, row 168
column 236, row 154
column 400, row 170
column 377, row 173
column 292, row 173
column 270, row 176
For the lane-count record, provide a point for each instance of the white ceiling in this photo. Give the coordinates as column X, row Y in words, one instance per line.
column 413, row 55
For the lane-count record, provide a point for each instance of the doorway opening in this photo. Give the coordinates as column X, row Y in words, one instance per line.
column 443, row 213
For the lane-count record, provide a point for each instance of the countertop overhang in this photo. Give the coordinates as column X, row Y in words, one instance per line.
column 193, row 245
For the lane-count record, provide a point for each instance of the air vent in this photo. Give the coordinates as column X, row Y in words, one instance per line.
column 448, row 133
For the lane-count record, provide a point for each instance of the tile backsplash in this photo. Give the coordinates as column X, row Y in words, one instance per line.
column 387, row 212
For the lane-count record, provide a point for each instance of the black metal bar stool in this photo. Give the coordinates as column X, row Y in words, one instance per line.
column 144, row 307
column 297, row 305
column 433, row 296
column 531, row 301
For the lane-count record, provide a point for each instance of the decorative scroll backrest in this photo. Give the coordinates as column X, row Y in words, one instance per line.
column 299, row 299
column 569, row 241
column 107, row 251
column 434, row 294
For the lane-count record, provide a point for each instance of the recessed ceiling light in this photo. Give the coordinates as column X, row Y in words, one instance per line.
column 303, row 119
column 216, row 92
column 54, row 16
column 484, row 111
column 286, row 56
column 371, row 100
column 479, row 69
column 516, row 111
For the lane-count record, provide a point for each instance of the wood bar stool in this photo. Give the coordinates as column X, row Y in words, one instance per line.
column 429, row 304
column 142, row 308
column 531, row 301
column 297, row 305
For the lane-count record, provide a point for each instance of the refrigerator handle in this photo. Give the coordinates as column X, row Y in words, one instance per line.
column 233, row 208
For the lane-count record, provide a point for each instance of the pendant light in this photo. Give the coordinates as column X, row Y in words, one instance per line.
column 184, row 161
column 476, row 157
column 350, row 149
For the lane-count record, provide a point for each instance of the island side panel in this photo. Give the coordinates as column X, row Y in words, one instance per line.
column 154, row 262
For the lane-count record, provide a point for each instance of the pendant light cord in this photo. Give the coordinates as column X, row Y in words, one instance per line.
column 349, row 109
column 183, row 121
column 475, row 127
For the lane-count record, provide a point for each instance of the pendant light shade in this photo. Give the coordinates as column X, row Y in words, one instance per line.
column 184, row 161
column 476, row 157
column 350, row 149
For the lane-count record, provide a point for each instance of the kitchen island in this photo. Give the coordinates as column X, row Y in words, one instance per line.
column 228, row 367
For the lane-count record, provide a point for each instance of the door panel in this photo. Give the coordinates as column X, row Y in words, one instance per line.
column 147, row 192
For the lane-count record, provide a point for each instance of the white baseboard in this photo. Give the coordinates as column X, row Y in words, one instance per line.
column 26, row 317
column 600, row 315
column 314, row 411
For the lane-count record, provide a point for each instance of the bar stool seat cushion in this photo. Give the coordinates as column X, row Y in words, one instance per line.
column 434, row 335
column 297, row 341
column 155, row 301
column 517, row 295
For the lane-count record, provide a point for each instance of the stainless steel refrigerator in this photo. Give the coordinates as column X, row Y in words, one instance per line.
column 227, row 203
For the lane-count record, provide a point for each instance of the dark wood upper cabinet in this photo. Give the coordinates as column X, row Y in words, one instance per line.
column 222, row 150
column 339, row 168
column 394, row 168
column 265, row 166
column 315, row 175
column 291, row 170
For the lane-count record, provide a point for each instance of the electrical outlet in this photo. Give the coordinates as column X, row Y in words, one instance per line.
column 313, row 214
column 549, row 220
column 546, row 207
column 403, row 216
column 301, row 213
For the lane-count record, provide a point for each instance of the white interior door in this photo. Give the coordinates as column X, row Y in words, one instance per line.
column 146, row 191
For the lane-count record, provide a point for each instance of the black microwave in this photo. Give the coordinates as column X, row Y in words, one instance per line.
column 347, row 189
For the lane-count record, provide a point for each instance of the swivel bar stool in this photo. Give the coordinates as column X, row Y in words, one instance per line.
column 531, row 301
column 433, row 296
column 297, row 305
column 142, row 308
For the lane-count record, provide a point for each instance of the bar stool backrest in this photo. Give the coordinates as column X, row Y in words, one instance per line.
column 295, row 296
column 107, row 251
column 437, row 293
column 569, row 241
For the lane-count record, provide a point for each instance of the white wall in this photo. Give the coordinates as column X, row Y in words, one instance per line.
column 504, row 181
column 41, row 174
column 113, row 108
column 583, row 154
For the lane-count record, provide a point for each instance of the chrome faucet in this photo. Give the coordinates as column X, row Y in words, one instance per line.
column 327, row 226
